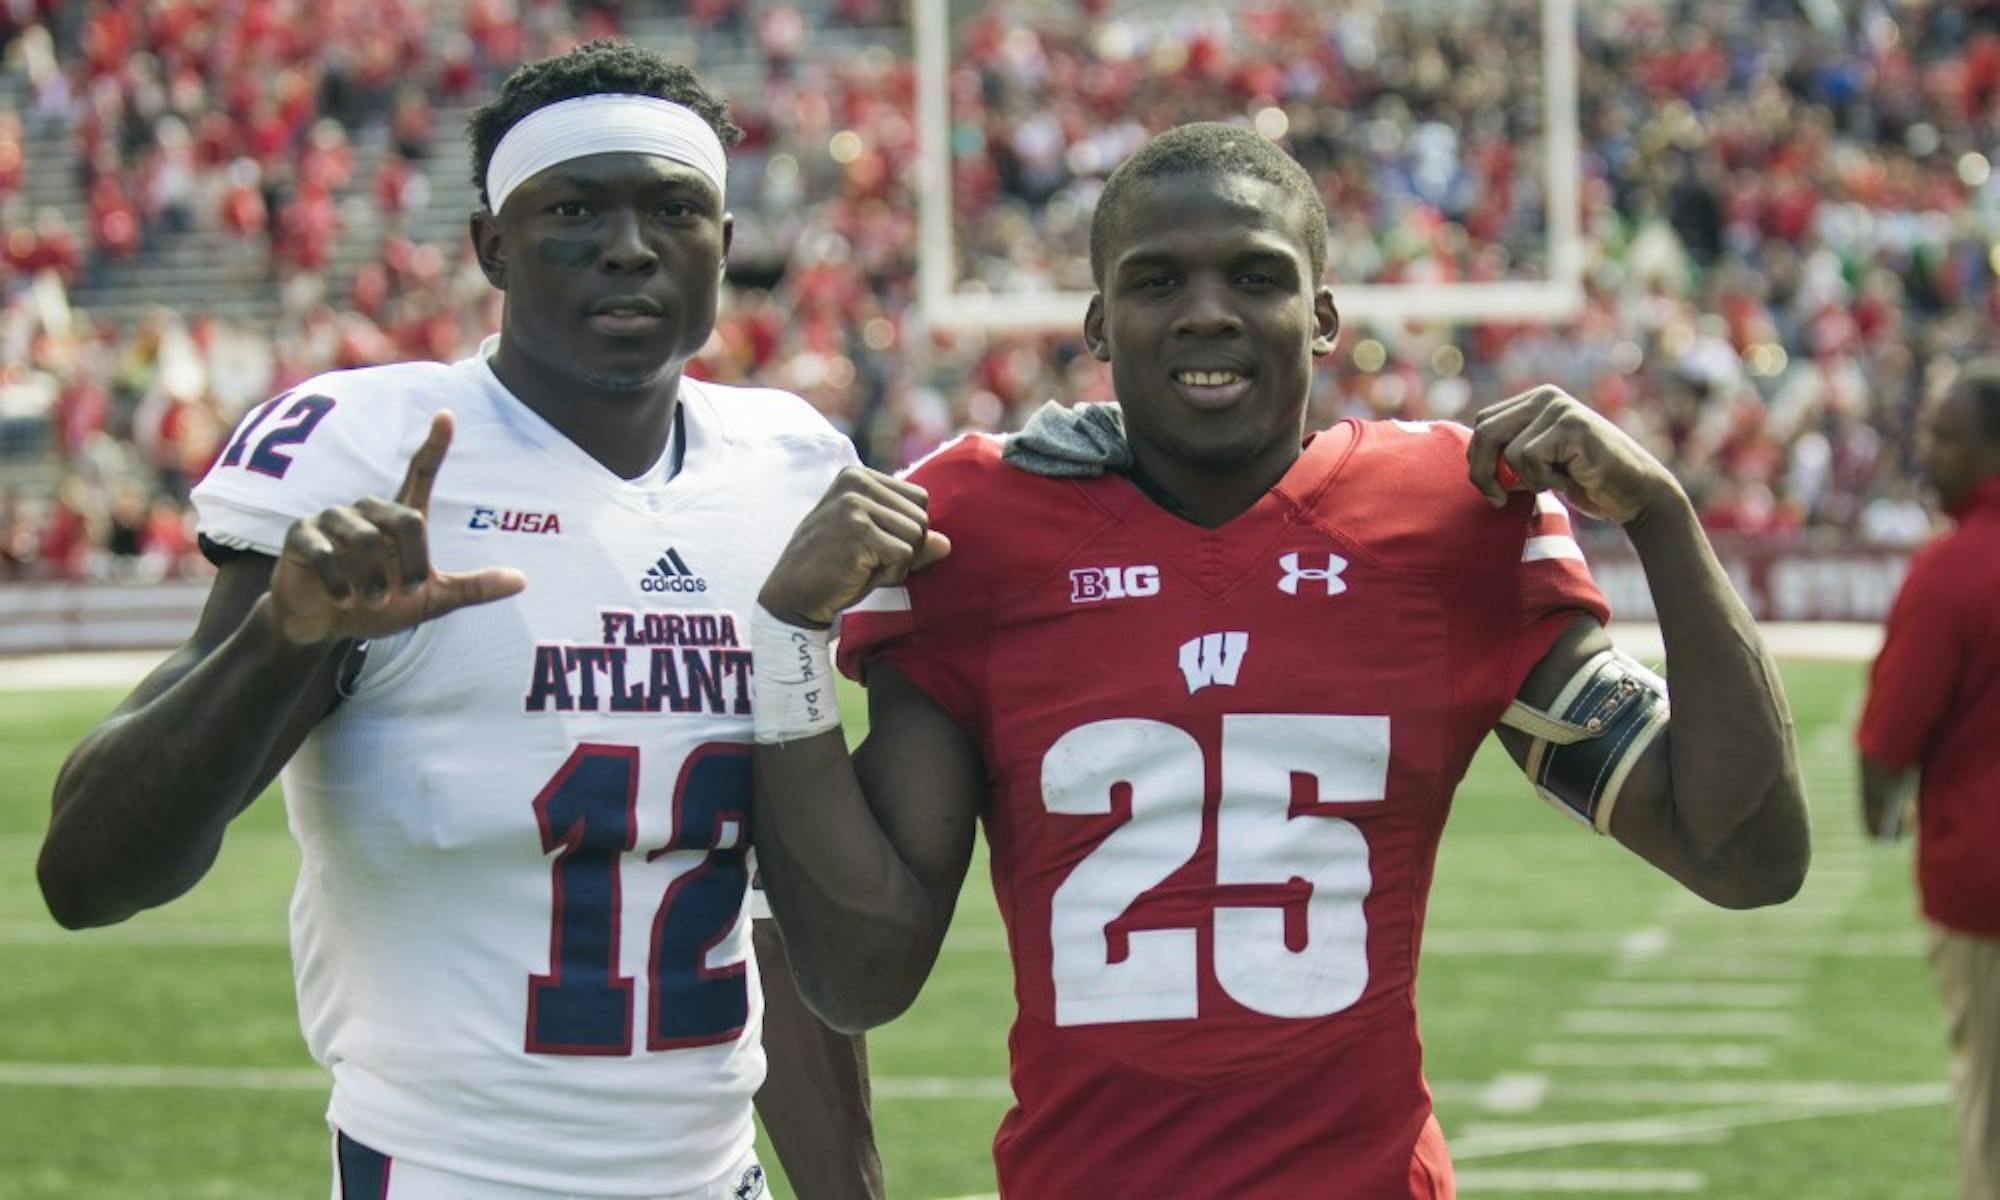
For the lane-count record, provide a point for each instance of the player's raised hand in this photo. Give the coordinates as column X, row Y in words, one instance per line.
column 870, row 530
column 1548, row 439
column 363, row 570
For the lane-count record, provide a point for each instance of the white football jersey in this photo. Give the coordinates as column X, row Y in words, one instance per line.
column 518, row 931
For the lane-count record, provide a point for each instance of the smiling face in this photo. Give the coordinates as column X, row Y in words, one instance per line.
column 611, row 265
column 1210, row 316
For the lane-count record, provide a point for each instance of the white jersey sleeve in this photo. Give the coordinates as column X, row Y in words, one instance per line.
column 332, row 440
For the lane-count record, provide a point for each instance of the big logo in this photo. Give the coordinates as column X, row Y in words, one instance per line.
column 1090, row 584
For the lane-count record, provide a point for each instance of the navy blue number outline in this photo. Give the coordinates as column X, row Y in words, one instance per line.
column 234, row 454
column 310, row 410
column 703, row 1006
column 587, row 858
column 693, row 1006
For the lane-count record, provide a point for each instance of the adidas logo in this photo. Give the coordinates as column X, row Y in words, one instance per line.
column 671, row 574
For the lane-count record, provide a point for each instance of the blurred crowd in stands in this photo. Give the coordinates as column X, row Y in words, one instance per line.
column 1791, row 218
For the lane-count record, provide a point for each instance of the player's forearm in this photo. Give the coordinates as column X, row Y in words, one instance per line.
column 1735, row 780
column 859, row 926
column 140, row 806
column 814, row 1101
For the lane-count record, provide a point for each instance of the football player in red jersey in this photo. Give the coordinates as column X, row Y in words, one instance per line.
column 1209, row 684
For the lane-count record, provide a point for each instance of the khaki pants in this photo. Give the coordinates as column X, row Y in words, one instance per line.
column 1968, row 975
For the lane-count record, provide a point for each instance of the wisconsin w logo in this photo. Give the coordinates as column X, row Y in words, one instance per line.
column 1213, row 658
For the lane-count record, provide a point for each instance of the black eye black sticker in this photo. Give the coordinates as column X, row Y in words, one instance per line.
column 568, row 252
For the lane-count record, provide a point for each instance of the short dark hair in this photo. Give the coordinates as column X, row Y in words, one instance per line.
column 594, row 68
column 1207, row 148
column 1979, row 382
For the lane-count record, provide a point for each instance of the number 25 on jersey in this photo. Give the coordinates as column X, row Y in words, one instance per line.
column 1290, row 935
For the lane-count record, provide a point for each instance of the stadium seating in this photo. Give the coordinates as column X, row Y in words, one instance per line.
column 1792, row 224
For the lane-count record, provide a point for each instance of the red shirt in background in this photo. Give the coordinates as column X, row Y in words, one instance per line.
column 1934, row 704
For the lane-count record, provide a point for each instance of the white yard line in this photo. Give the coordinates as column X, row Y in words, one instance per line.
column 934, row 1087
column 1464, row 1129
column 57, row 672
column 1649, row 1129
column 1869, row 945
column 1841, row 641
column 1648, row 942
column 1515, row 1091
column 1476, row 943
column 1651, row 993
column 132, row 1076
column 1827, row 1092
column 1815, row 906
column 164, row 937
column 127, row 1076
column 1456, row 943
column 1679, row 1055
column 1640, row 1022
column 1504, row 1093
column 1713, row 967
column 1507, row 1092
column 1520, row 942
column 22, row 847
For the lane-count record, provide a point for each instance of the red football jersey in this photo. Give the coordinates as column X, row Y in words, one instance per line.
column 1220, row 761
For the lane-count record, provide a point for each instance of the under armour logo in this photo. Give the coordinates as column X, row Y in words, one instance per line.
column 1213, row 658
column 1329, row 574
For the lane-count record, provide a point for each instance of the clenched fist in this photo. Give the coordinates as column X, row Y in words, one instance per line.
column 363, row 570
column 1548, row 439
column 870, row 530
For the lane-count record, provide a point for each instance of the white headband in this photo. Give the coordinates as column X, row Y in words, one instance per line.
column 603, row 124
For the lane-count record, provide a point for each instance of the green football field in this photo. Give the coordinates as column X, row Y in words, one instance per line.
column 1590, row 1030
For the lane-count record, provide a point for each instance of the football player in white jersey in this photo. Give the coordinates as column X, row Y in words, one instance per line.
column 521, row 791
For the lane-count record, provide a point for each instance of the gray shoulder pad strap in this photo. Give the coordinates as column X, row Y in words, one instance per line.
column 1070, row 443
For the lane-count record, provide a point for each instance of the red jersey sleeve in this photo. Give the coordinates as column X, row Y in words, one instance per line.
column 933, row 629
column 1552, row 586
column 1514, row 577
column 1910, row 685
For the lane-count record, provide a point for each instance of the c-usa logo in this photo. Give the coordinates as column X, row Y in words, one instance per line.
column 513, row 520
column 1328, row 575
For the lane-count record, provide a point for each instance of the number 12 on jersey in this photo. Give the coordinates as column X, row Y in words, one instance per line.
column 1290, row 934
column 588, row 815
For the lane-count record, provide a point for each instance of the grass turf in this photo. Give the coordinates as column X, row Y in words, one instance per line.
column 1535, row 929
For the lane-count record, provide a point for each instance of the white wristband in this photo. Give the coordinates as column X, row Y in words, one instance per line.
column 794, row 680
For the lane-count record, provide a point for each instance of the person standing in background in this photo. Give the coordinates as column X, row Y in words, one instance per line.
column 1934, row 709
